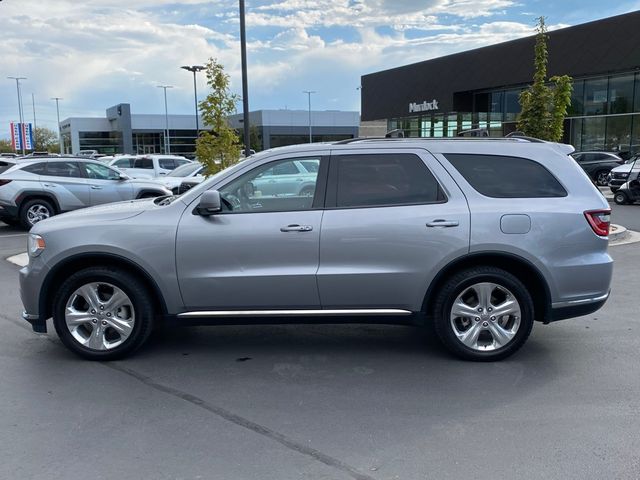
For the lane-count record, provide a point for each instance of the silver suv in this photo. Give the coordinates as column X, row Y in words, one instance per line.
column 479, row 237
column 33, row 190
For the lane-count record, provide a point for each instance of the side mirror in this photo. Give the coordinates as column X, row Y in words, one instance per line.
column 122, row 177
column 209, row 203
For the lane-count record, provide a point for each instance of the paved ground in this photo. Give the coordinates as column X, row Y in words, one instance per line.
column 325, row 402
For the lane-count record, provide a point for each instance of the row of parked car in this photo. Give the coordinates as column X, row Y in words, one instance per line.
column 609, row 169
column 38, row 187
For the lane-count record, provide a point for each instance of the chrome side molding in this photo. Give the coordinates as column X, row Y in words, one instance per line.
column 294, row 313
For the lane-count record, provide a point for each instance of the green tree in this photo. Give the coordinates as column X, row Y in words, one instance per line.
column 544, row 107
column 46, row 140
column 254, row 138
column 220, row 147
column 5, row 146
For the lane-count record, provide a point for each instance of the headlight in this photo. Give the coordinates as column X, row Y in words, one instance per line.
column 35, row 245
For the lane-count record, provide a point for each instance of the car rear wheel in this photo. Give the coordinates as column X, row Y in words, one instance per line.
column 483, row 314
column 620, row 198
column 34, row 211
column 103, row 313
column 602, row 178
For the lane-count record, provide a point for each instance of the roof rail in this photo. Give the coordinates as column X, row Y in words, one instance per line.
column 438, row 139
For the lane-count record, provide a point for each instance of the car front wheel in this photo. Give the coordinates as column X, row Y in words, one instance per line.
column 620, row 198
column 483, row 314
column 103, row 313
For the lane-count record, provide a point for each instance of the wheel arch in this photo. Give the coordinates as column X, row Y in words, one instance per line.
column 523, row 269
column 77, row 262
column 37, row 194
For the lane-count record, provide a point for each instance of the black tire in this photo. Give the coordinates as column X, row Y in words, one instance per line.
column 34, row 202
column 307, row 191
column 620, row 198
column 13, row 222
column 601, row 178
column 131, row 286
column 460, row 282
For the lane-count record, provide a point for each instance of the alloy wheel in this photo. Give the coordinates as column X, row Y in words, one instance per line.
column 99, row 316
column 485, row 316
column 37, row 213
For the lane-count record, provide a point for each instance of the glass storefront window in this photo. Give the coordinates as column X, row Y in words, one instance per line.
column 577, row 99
column 618, row 137
column 452, row 125
column 621, row 94
column 511, row 105
column 595, row 96
column 635, row 134
column 575, row 133
column 495, row 104
column 438, row 125
column 592, row 137
column 637, row 89
column 425, row 126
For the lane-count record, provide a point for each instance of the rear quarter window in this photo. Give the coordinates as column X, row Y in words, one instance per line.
column 500, row 176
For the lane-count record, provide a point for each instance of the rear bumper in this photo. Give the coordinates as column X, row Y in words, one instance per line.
column 576, row 308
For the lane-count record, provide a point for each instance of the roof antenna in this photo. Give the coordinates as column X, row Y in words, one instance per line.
column 397, row 133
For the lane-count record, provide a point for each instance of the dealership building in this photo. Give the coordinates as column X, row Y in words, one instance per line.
column 120, row 131
column 480, row 88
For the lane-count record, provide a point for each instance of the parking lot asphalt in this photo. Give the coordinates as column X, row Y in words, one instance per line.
column 324, row 401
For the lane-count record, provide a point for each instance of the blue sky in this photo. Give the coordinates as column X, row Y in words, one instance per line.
column 97, row 53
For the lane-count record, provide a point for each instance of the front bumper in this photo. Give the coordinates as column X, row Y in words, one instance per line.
column 31, row 278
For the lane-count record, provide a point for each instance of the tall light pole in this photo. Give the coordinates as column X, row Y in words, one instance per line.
column 20, row 111
column 309, row 92
column 245, row 85
column 57, row 99
column 195, row 69
column 167, row 142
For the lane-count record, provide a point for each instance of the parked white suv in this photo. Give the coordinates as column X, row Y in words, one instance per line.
column 148, row 166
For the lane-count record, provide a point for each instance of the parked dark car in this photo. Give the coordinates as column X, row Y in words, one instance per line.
column 598, row 165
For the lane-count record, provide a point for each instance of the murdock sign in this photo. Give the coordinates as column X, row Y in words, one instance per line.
column 424, row 106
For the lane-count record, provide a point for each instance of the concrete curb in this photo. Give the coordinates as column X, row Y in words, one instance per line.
column 617, row 233
column 629, row 237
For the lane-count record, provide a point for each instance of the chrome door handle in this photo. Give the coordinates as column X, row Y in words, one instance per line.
column 297, row 228
column 443, row 223
column 96, row 187
column 49, row 185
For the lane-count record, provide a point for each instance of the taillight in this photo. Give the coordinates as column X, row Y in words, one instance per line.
column 4, row 182
column 600, row 221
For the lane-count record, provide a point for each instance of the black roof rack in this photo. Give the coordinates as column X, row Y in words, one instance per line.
column 447, row 139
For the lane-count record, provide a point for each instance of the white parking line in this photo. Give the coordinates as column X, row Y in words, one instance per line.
column 22, row 259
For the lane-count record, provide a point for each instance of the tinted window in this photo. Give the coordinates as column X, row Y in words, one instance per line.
column 36, row 168
column 263, row 190
column 167, row 163
column 63, row 169
column 124, row 163
column 185, row 170
column 389, row 179
column 180, row 162
column 145, row 163
column 506, row 177
column 100, row 172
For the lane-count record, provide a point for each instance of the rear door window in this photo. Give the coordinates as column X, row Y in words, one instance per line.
column 500, row 176
column 63, row 169
column 144, row 163
column 167, row 163
column 375, row 180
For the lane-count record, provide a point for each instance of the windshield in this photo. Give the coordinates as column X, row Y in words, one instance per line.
column 184, row 170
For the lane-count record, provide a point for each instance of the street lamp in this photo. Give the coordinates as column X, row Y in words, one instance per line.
column 245, row 85
column 195, row 69
column 167, row 141
column 309, row 92
column 17, row 79
column 57, row 99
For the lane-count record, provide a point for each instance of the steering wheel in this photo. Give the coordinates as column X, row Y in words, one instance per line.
column 231, row 201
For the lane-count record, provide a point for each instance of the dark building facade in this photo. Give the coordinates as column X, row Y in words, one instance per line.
column 479, row 88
